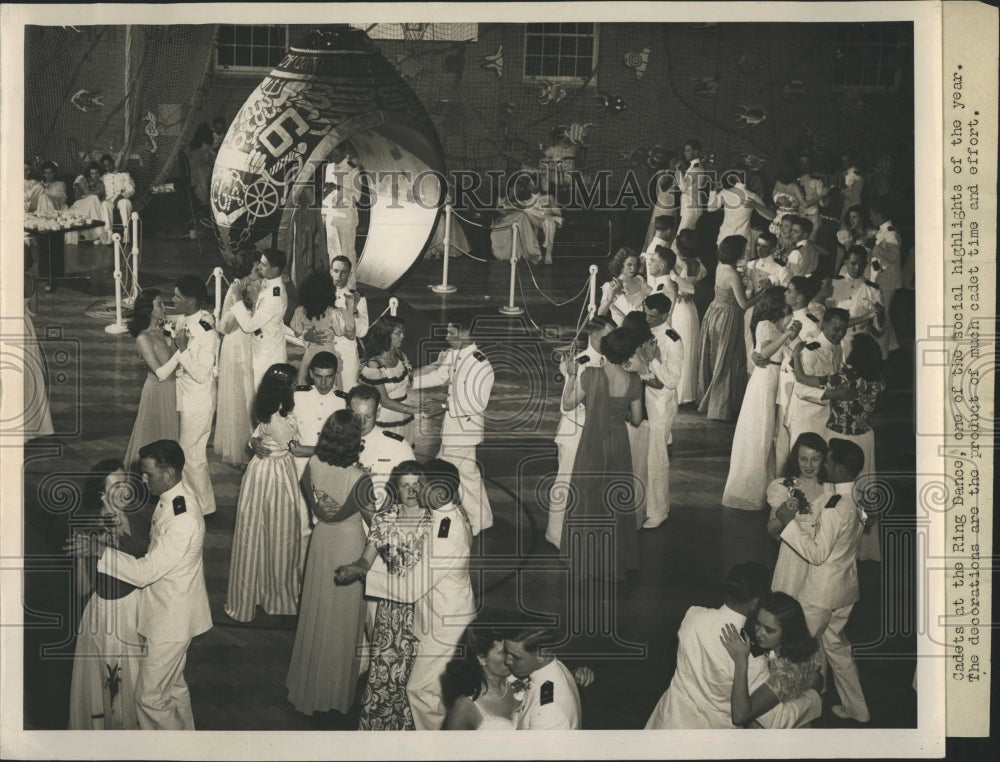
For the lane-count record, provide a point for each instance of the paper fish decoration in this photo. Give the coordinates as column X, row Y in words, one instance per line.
column 87, row 100
column 575, row 133
column 494, row 62
column 630, row 158
column 750, row 116
column 150, row 129
column 408, row 67
column 638, row 62
column 752, row 161
column 704, row 87
column 748, row 62
column 550, row 92
column 611, row 104
column 794, row 89
column 657, row 158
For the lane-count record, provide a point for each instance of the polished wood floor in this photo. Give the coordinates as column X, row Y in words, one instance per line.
column 237, row 672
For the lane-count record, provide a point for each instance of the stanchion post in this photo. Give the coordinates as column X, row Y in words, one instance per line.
column 511, row 308
column 444, row 287
column 217, row 312
column 393, row 306
column 134, row 285
column 117, row 327
column 592, row 306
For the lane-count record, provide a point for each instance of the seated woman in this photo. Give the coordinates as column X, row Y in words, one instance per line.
column 793, row 667
column 47, row 196
column 89, row 191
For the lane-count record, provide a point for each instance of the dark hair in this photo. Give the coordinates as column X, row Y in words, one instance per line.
column 599, row 322
column 866, row 357
column 379, row 337
column 317, row 294
column 797, row 645
column 165, row 453
column 746, row 582
column 345, row 260
column 274, row 395
column 861, row 211
column 464, row 676
column 858, row 251
column 663, row 222
column 244, row 261
column 658, row 301
column 275, row 257
column 813, row 441
column 202, row 136
column 532, row 639
column 339, row 440
column 192, row 286
column 879, row 207
column 364, row 392
column 617, row 346
column 324, row 361
column 93, row 485
column 142, row 311
column 687, row 242
column 637, row 326
column 404, row 468
column 441, row 475
column 836, row 312
column 460, row 318
column 107, row 156
column 768, row 236
column 668, row 255
column 806, row 286
column 47, row 165
column 848, row 455
column 617, row 262
column 731, row 249
column 787, row 172
column 771, row 306
column 92, row 165
column 804, row 223
column 694, row 143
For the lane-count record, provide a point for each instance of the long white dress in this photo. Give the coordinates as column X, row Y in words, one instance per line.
column 685, row 321
column 790, row 569
column 751, row 464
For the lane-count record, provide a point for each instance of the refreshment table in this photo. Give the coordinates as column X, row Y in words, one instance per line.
column 50, row 232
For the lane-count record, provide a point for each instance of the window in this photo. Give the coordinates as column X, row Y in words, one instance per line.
column 871, row 57
column 250, row 48
column 560, row 51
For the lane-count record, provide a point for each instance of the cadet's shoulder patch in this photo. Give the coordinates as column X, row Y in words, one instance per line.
column 180, row 506
column 479, row 356
column 812, row 317
column 342, row 395
column 834, row 499
column 394, row 435
column 303, row 387
column 659, row 286
column 891, row 228
column 258, row 333
column 276, row 291
column 547, row 693
column 583, row 359
column 444, row 528
column 813, row 345
column 205, row 325
column 872, row 284
column 673, row 335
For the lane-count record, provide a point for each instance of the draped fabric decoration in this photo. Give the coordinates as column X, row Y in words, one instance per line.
column 127, row 91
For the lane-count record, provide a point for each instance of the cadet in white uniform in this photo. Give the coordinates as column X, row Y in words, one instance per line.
column 354, row 309
column 661, row 405
column 265, row 321
column 118, row 191
column 316, row 403
column 861, row 298
column 197, row 350
column 551, row 701
column 469, row 376
column 809, row 407
column 173, row 607
column 381, row 449
column 571, row 427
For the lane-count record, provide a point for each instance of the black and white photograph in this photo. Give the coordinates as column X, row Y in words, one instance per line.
column 490, row 372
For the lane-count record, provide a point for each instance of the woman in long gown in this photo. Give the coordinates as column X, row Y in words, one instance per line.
column 752, row 462
column 400, row 535
column 157, row 416
column 102, row 694
column 626, row 289
column 722, row 362
column 684, row 315
column 804, row 486
column 89, row 191
column 201, row 161
column 265, row 567
column 325, row 666
column 638, row 436
column 862, row 381
column 317, row 321
column 234, row 408
column 788, row 197
column 667, row 199
column 603, row 499
column 389, row 371
column 35, row 412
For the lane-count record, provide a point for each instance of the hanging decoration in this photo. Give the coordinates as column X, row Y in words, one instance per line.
column 656, row 159
column 407, row 66
column 749, row 116
column 794, row 89
column 704, row 87
column 631, row 158
column 550, row 92
column 749, row 62
column 87, row 100
column 151, row 132
column 610, row 104
column 638, row 62
column 575, row 134
column 494, row 62
column 851, row 103
column 752, row 161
